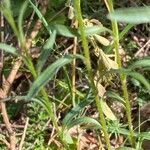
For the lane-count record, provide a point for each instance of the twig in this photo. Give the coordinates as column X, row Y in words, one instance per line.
column 13, row 126
column 142, row 48
column 74, row 73
column 24, row 133
column 1, row 51
column 8, row 126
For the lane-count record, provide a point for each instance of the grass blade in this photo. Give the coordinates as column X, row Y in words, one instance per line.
column 48, row 74
column 40, row 16
column 84, row 120
column 63, row 30
column 140, row 63
column 8, row 48
column 20, row 21
column 135, row 75
column 46, row 51
column 77, row 109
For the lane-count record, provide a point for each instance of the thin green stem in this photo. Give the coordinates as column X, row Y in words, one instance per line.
column 123, row 77
column 89, row 69
column 43, row 92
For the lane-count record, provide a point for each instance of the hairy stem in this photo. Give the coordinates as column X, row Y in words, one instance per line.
column 109, row 5
column 89, row 69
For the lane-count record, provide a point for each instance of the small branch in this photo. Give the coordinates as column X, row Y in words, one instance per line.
column 24, row 133
column 74, row 73
column 142, row 48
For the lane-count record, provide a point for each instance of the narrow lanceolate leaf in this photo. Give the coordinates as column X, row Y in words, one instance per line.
column 40, row 15
column 63, row 30
column 131, row 15
column 46, row 51
column 77, row 109
column 20, row 22
column 48, row 74
column 140, row 63
column 8, row 48
column 135, row 75
column 84, row 120
column 141, row 78
column 115, row 96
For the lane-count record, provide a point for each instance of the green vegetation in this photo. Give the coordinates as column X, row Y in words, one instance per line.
column 72, row 77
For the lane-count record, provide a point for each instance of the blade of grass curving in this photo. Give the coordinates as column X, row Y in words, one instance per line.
column 20, row 21
column 9, row 49
column 39, row 14
column 47, row 48
column 48, row 74
column 135, row 75
column 140, row 63
column 66, row 87
column 131, row 15
column 125, row 31
column 5, row 7
column 64, row 30
column 84, row 120
column 121, row 36
column 78, row 108
column 115, row 96
column 141, row 78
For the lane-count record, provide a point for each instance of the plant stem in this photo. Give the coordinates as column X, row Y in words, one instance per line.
column 123, row 77
column 89, row 69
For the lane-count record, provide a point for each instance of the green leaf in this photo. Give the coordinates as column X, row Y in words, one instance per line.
column 5, row 7
column 77, row 109
column 40, row 16
column 131, row 15
column 20, row 22
column 63, row 30
column 48, row 74
column 47, row 48
column 8, row 48
column 84, row 120
column 144, row 135
column 66, row 87
column 115, row 96
column 67, row 137
column 140, row 63
column 141, row 78
column 125, row 30
column 96, row 30
column 135, row 75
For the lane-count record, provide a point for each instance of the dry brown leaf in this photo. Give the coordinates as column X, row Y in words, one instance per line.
column 100, row 88
column 107, row 111
column 102, row 40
